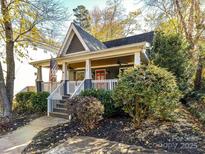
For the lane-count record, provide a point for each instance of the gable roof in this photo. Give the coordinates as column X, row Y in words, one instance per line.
column 145, row 37
column 92, row 43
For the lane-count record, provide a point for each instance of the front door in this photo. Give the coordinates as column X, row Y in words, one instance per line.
column 100, row 75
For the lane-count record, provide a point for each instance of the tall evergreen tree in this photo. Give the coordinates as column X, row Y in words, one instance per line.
column 82, row 17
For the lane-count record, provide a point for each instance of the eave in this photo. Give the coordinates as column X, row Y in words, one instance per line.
column 101, row 54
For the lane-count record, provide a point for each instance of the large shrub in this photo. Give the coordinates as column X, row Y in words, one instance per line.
column 105, row 97
column 146, row 91
column 23, row 101
column 39, row 101
column 31, row 101
column 87, row 110
column 170, row 51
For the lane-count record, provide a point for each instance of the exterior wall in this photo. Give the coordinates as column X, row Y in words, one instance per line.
column 75, row 45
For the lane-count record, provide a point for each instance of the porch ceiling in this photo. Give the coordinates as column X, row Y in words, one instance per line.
column 123, row 60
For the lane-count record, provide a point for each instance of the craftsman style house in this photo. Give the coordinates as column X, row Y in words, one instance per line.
column 88, row 63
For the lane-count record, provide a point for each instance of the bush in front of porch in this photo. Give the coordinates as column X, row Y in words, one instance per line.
column 105, row 97
column 31, row 102
column 86, row 110
column 147, row 91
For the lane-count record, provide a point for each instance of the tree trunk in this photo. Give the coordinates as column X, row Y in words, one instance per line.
column 3, row 96
column 198, row 76
column 9, row 53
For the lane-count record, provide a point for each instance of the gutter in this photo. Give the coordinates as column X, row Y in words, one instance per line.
column 143, row 46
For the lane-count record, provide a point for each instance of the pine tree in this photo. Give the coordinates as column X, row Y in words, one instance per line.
column 82, row 17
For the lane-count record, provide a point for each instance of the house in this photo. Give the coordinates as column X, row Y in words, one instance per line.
column 88, row 63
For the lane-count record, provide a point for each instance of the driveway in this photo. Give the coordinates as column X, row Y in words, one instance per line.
column 15, row 142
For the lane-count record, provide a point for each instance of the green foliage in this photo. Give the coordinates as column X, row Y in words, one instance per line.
column 82, row 17
column 147, row 91
column 105, row 98
column 31, row 102
column 87, row 110
column 171, row 52
column 39, row 101
column 23, row 101
column 196, row 105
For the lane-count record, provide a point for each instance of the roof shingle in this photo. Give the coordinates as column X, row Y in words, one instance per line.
column 145, row 37
column 92, row 43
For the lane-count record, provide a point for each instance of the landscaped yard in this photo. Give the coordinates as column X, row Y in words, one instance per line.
column 185, row 135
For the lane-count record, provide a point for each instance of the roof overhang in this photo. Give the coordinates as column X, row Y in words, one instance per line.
column 101, row 54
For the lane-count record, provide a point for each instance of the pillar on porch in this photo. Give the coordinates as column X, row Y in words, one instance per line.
column 88, row 75
column 65, row 76
column 39, row 79
column 137, row 59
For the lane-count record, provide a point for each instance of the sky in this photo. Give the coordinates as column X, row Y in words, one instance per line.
column 128, row 5
column 90, row 4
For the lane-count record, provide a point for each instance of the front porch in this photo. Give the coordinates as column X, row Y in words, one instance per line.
column 98, row 70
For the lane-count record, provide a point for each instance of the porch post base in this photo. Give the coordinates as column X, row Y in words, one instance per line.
column 39, row 86
column 65, row 86
column 88, row 84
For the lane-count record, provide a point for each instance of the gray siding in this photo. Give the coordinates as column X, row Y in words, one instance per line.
column 75, row 45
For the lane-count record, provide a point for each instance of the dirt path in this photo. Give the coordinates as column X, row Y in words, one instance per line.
column 16, row 141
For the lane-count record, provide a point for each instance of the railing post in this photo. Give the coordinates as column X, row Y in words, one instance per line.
column 49, row 107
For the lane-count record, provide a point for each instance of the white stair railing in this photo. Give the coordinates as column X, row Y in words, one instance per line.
column 78, row 89
column 56, row 95
column 72, row 86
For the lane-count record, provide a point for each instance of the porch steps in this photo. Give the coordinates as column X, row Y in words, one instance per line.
column 60, row 108
column 58, row 105
column 59, row 115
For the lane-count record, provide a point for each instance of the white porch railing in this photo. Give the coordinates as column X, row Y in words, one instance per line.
column 72, row 86
column 104, row 84
column 49, row 87
column 55, row 97
column 78, row 89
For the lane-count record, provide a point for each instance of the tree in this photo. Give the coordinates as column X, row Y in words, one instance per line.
column 21, row 22
column 188, row 18
column 112, row 22
column 170, row 51
column 82, row 17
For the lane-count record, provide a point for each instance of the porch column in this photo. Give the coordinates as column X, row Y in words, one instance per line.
column 137, row 60
column 88, row 75
column 39, row 80
column 65, row 76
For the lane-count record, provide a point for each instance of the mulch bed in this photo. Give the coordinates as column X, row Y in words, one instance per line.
column 17, row 120
column 181, row 136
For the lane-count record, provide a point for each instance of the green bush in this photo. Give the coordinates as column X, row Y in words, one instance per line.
column 105, row 97
column 147, row 91
column 39, row 101
column 23, row 101
column 31, row 102
column 87, row 110
column 170, row 51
